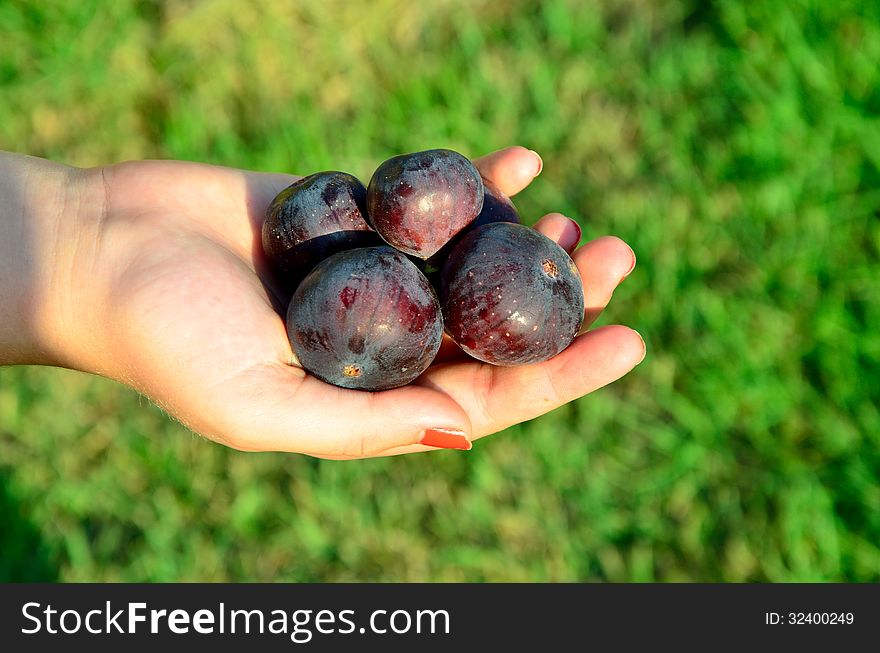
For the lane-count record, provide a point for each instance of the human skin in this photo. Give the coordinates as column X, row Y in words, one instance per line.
column 151, row 273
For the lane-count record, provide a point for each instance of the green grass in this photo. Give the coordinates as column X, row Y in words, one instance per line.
column 736, row 146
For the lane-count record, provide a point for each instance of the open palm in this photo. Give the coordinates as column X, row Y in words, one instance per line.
column 192, row 321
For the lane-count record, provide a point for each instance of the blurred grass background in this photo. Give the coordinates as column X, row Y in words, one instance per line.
column 735, row 145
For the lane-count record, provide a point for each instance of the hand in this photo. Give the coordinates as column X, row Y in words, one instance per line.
column 169, row 295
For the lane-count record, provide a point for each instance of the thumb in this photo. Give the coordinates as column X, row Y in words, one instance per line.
column 287, row 410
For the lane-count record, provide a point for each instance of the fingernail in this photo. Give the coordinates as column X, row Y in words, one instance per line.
column 644, row 347
column 540, row 162
column 632, row 266
column 579, row 232
column 445, row 439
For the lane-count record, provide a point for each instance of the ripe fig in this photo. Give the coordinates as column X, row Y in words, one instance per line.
column 365, row 319
column 418, row 202
column 317, row 216
column 497, row 207
column 511, row 295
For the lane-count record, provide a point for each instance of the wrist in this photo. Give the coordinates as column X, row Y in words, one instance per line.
column 48, row 218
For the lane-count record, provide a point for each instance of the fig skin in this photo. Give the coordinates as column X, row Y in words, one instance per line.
column 313, row 218
column 365, row 319
column 510, row 295
column 497, row 207
column 418, row 202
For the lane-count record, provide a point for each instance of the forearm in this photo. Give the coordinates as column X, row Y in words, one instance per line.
column 40, row 205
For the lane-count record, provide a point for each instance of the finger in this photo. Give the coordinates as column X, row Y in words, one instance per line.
column 560, row 229
column 511, row 169
column 497, row 397
column 288, row 410
column 603, row 264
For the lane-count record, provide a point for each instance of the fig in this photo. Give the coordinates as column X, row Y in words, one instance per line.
column 497, row 207
column 510, row 295
column 365, row 319
column 418, row 202
column 313, row 218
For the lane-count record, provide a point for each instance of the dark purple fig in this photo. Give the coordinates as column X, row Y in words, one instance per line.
column 365, row 319
column 497, row 207
column 511, row 295
column 418, row 202
column 317, row 216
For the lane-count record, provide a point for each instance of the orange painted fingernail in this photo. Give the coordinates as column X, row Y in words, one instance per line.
column 445, row 439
